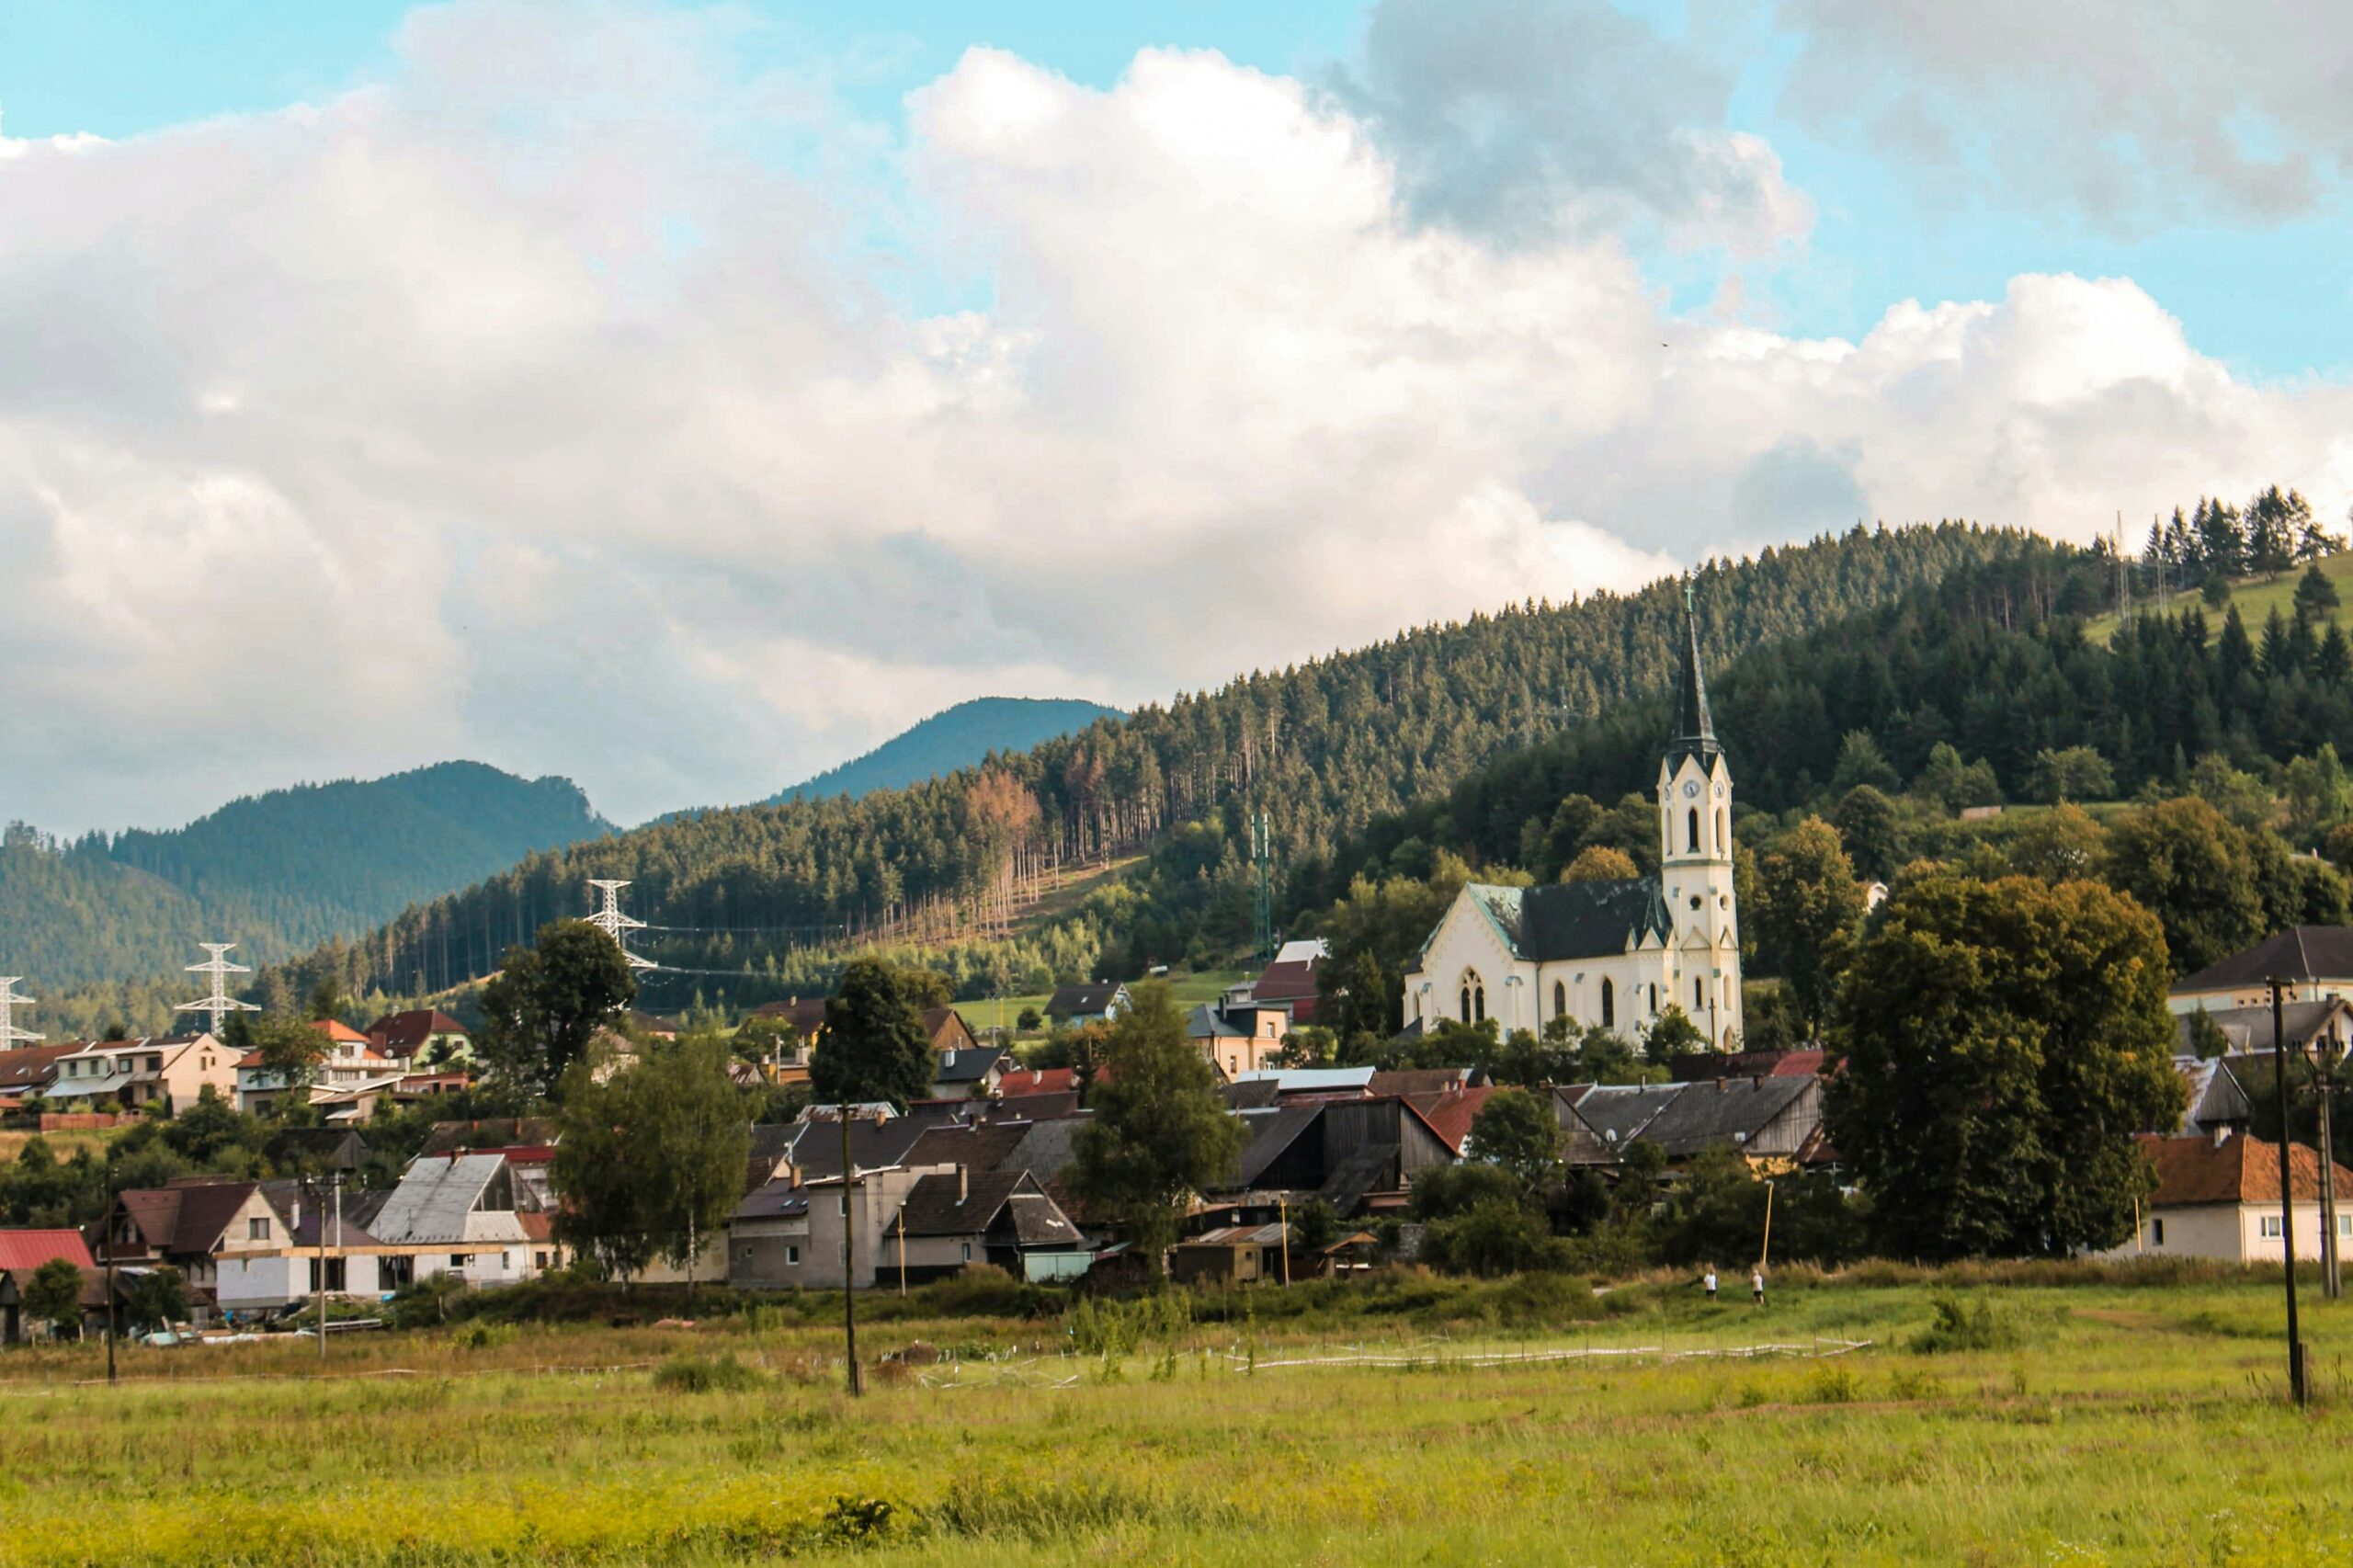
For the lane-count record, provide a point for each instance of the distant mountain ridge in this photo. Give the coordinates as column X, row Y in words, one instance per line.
column 956, row 737
column 275, row 874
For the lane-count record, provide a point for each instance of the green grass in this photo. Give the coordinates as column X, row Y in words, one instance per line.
column 2119, row 1424
column 1188, row 990
column 2255, row 596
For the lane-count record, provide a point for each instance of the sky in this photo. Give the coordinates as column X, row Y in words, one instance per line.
column 685, row 399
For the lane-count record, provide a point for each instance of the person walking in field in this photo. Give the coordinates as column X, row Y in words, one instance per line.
column 1757, row 1285
column 1709, row 1280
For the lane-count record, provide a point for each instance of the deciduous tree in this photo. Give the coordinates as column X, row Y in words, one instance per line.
column 2003, row 1041
column 548, row 1002
column 1159, row 1133
column 874, row 1047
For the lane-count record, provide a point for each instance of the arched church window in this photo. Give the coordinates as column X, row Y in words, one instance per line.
column 1723, row 838
column 1560, row 999
column 1474, row 996
column 1466, row 1003
column 1654, row 999
column 1609, row 1004
column 1698, row 996
column 1691, row 830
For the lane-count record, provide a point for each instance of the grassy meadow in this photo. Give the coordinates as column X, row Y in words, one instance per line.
column 2128, row 1420
column 2255, row 598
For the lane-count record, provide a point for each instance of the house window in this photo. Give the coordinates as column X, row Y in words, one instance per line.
column 1609, row 1004
column 2268, row 1227
column 1691, row 830
column 256, row 1229
column 1233, row 1064
column 792, row 1257
column 1560, row 1000
column 539, row 1260
column 967, row 1252
column 2156, row 1233
column 2345, row 1224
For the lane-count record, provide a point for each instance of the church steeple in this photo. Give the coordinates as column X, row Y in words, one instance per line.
column 1695, row 728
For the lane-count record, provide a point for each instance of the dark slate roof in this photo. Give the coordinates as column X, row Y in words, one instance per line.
column 1209, row 1021
column 1725, row 1111
column 1624, row 1108
column 360, row 1209
column 1046, row 1148
column 773, row 1200
column 206, row 1209
column 873, row 1146
column 1271, row 1132
column 966, row 1205
column 1069, row 999
column 773, row 1140
column 338, row 1145
column 982, row 1148
column 1694, row 727
column 504, row 1132
column 2300, row 952
column 966, row 1066
column 2249, row 1029
column 1577, row 920
column 1253, row 1094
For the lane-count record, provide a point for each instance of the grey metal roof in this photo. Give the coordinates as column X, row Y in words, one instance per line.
column 434, row 1199
column 1728, row 1110
column 1271, row 1132
column 969, row 1066
column 1624, row 1108
column 2300, row 952
column 774, row 1200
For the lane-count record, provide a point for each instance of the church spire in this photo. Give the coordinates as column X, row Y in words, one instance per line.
column 1695, row 728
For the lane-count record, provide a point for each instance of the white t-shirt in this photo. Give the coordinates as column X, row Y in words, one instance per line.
column 1711, row 1281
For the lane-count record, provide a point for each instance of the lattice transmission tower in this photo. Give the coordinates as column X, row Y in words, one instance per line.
column 11, row 1036
column 609, row 919
column 220, row 1003
column 1262, row 892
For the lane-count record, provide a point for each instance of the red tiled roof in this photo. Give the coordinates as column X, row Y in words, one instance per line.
column 342, row 1033
column 31, row 1249
column 1800, row 1063
column 2195, row 1170
column 1450, row 1114
column 1038, row 1081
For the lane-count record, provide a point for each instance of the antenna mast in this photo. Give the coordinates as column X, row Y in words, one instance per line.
column 218, row 967
column 11, row 1036
column 1262, row 898
column 609, row 919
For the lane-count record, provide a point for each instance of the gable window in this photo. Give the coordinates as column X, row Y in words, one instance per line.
column 1691, row 830
column 1560, row 999
column 256, row 1229
column 1609, row 1004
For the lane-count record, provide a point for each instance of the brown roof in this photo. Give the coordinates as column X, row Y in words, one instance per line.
column 33, row 1066
column 2192, row 1171
column 1450, row 1114
column 804, row 1015
column 1416, row 1080
column 403, row 1032
column 1293, row 982
column 1038, row 1081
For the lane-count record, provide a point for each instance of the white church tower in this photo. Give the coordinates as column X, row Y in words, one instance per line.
column 1694, row 854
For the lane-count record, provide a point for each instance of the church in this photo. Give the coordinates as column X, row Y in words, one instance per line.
column 1617, row 952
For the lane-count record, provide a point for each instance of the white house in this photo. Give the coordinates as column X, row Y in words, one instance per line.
column 2218, row 1197
column 166, row 1070
column 1615, row 952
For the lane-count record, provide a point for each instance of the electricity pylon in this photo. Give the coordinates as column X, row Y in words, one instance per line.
column 11, row 1036
column 609, row 919
column 218, row 967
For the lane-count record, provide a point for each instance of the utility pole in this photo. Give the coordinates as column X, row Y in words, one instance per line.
column 11, row 1036
column 318, row 1285
column 2327, row 1053
column 107, row 1235
column 849, row 1265
column 219, row 969
column 2286, row 1196
column 1262, row 857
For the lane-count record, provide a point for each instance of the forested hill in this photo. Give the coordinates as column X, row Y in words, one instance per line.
column 1978, row 690
column 961, row 736
column 1322, row 748
column 275, row 873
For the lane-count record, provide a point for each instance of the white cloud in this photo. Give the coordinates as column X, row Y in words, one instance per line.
column 402, row 425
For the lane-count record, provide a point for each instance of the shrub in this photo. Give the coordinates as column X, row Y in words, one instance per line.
column 482, row 1335
column 1535, row 1301
column 1495, row 1238
column 698, row 1374
column 1960, row 1327
column 1833, row 1385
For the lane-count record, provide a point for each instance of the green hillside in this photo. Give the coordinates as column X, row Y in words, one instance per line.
column 2255, row 599
column 745, row 902
column 275, row 873
column 961, row 736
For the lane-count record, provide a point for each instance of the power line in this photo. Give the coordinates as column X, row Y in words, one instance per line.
column 218, row 967
column 11, row 1036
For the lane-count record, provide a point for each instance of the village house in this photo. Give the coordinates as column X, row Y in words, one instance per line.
column 27, row 1072
column 1612, row 952
column 784, row 1236
column 2218, row 1197
column 1100, row 1002
column 954, row 1217
column 345, row 1081
column 168, row 1072
column 1772, row 1122
column 1238, row 1038
column 969, row 1072
column 204, row 1227
column 22, row 1255
column 2322, row 953
column 422, row 1036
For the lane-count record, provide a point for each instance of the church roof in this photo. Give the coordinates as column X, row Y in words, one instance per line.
column 1575, row 920
column 1694, row 727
